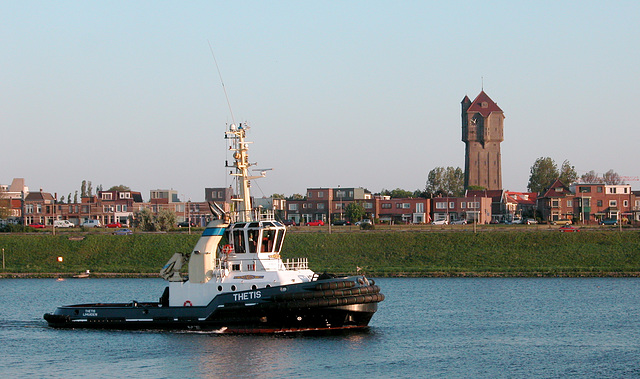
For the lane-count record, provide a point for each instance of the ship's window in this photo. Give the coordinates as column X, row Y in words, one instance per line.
column 233, row 288
column 253, row 240
column 238, row 241
column 220, row 288
column 268, row 239
column 279, row 239
column 235, row 267
column 254, row 225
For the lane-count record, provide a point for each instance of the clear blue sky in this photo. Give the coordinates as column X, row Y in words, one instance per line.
column 351, row 93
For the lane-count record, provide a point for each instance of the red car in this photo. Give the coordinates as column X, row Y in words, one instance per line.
column 38, row 225
column 114, row 225
column 315, row 223
column 568, row 228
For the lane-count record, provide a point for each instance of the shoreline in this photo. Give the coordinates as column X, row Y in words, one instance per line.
column 467, row 274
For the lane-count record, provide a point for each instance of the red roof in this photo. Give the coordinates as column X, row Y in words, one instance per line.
column 484, row 105
column 526, row 198
column 557, row 189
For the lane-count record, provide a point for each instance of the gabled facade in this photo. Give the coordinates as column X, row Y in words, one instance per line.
column 556, row 203
column 39, row 207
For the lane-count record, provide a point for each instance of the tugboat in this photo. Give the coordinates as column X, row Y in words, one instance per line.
column 237, row 281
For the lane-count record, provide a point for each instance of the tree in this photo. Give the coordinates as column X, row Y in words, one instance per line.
column 296, row 196
column 144, row 220
column 568, row 173
column 397, row 193
column 165, row 220
column 543, row 173
column 447, row 181
column 120, row 188
column 591, row 177
column 5, row 205
column 277, row 196
column 611, row 177
column 354, row 212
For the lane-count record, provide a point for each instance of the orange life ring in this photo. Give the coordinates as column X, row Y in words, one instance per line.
column 227, row 249
column 187, row 303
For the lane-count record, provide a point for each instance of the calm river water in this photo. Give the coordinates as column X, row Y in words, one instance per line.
column 425, row 328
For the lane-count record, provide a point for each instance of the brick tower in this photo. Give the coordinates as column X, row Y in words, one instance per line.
column 482, row 132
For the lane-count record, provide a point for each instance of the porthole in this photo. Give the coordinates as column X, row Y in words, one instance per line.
column 220, row 288
column 233, row 287
column 254, row 287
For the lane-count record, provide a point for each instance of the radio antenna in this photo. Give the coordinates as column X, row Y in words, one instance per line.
column 233, row 119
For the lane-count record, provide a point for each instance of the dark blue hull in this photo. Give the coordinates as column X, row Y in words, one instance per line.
column 345, row 303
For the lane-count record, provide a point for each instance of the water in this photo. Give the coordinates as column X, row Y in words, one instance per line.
column 425, row 328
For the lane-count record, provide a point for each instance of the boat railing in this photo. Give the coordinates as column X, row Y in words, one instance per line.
column 296, row 264
column 256, row 214
column 220, row 270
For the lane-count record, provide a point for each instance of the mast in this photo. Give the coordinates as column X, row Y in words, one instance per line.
column 241, row 164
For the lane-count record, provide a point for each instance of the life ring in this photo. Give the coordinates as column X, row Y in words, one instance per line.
column 187, row 303
column 227, row 249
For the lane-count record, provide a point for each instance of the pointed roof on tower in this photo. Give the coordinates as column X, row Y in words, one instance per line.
column 484, row 105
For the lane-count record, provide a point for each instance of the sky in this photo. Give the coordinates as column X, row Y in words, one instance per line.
column 337, row 93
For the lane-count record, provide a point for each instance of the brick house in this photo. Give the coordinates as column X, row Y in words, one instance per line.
column 597, row 201
column 467, row 208
column 402, row 210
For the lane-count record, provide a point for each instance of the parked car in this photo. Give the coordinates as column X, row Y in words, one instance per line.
column 185, row 224
column 92, row 224
column 38, row 225
column 494, row 221
column 123, row 232
column 114, row 225
column 315, row 223
column 569, row 228
column 63, row 224
column 459, row 222
column 609, row 221
column 364, row 221
column 340, row 222
column 440, row 222
column 530, row 221
column 289, row 223
column 562, row 221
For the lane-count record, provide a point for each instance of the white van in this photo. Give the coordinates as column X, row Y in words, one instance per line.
column 63, row 224
column 91, row 224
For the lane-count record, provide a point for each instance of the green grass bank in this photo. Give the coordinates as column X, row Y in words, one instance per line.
column 535, row 253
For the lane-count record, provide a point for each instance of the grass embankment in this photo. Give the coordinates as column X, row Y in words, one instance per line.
column 536, row 253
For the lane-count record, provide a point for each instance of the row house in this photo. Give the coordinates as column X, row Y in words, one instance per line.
column 328, row 204
column 405, row 210
column 497, row 201
column 517, row 205
column 472, row 209
column 588, row 202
